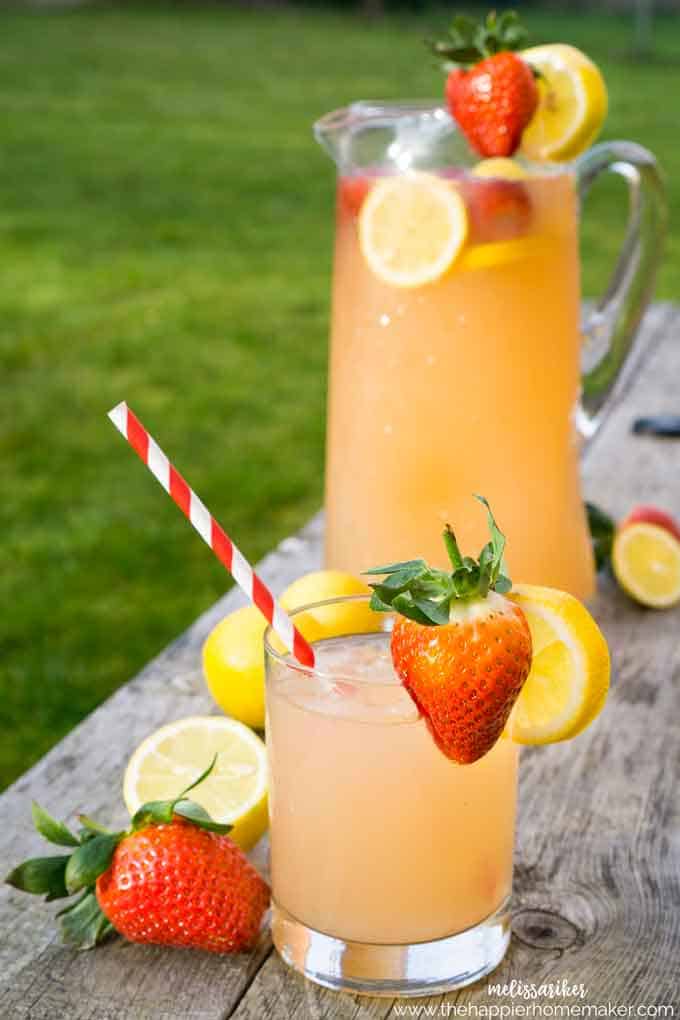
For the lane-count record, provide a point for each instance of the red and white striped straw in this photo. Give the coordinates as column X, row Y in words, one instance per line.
column 210, row 531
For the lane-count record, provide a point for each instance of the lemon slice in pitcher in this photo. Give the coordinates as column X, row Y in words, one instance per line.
column 412, row 228
column 569, row 678
column 572, row 103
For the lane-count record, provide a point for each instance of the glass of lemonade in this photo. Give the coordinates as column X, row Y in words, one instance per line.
column 471, row 382
column 391, row 865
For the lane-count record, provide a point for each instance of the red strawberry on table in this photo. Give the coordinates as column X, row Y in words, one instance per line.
column 491, row 92
column 461, row 649
column 647, row 514
column 174, row 878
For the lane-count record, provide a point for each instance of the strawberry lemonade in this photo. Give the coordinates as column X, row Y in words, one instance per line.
column 456, row 344
column 458, row 384
column 385, row 841
column 393, row 767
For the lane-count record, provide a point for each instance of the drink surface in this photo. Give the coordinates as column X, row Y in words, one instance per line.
column 464, row 385
column 375, row 835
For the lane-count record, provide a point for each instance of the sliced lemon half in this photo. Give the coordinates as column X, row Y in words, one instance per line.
column 172, row 757
column 646, row 562
column 569, row 678
column 572, row 103
column 412, row 228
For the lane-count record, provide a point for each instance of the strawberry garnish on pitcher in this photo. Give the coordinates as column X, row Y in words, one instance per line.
column 490, row 90
column 460, row 647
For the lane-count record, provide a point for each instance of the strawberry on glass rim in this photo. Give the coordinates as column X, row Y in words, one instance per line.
column 469, row 650
column 490, row 90
column 174, row 878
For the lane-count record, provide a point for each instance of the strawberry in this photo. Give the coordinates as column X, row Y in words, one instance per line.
column 493, row 102
column 646, row 514
column 491, row 92
column 352, row 192
column 461, row 649
column 174, row 878
column 498, row 210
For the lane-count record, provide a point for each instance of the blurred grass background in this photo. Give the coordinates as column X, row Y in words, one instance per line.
column 165, row 236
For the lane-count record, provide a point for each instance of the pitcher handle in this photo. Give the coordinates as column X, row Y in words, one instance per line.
column 609, row 332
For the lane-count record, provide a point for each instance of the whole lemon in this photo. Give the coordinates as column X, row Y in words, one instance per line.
column 233, row 665
column 233, row 662
column 233, row 653
column 333, row 621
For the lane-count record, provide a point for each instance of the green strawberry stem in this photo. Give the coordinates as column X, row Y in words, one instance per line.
column 83, row 923
column 425, row 594
column 470, row 41
column 452, row 548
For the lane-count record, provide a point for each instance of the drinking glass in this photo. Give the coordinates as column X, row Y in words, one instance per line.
column 391, row 865
column 473, row 383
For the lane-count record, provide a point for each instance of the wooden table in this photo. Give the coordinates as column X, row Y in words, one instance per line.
column 597, row 895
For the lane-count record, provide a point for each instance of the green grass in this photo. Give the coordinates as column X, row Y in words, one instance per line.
column 165, row 236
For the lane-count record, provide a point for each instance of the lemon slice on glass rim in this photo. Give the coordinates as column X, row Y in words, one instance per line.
column 173, row 756
column 572, row 103
column 412, row 228
column 569, row 678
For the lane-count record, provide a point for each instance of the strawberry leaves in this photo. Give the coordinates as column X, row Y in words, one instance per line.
column 42, row 876
column 90, row 860
column 468, row 41
column 52, row 830
column 161, row 812
column 602, row 530
column 425, row 594
column 83, row 923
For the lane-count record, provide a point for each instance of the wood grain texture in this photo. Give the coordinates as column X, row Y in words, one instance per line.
column 598, row 851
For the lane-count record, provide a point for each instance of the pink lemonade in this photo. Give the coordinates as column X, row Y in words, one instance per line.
column 466, row 384
column 376, row 836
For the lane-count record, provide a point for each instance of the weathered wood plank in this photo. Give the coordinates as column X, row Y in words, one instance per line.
column 598, row 848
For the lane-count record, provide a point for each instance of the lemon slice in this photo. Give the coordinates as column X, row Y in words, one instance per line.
column 412, row 228
column 569, row 678
column 175, row 755
column 572, row 103
column 498, row 253
column 500, row 166
column 646, row 562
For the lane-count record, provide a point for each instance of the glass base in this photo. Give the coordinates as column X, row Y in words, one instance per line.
column 421, row 968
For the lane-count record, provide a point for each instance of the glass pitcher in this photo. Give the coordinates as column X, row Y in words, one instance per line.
column 482, row 381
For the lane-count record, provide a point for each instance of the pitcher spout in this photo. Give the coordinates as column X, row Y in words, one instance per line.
column 400, row 136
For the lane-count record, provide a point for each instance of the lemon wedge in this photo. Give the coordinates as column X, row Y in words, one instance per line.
column 498, row 253
column 412, row 228
column 500, row 166
column 646, row 562
column 569, row 678
column 572, row 103
column 174, row 756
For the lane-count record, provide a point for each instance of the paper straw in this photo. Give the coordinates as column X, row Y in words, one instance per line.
column 210, row 531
